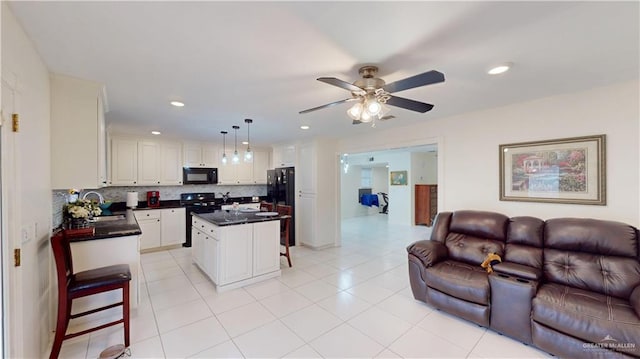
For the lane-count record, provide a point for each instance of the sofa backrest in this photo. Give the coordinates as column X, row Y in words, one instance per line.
column 591, row 254
column 525, row 238
column 471, row 235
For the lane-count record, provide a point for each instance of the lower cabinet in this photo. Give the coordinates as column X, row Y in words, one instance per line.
column 236, row 255
column 161, row 227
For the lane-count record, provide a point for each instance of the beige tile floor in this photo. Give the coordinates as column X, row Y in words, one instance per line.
column 343, row 302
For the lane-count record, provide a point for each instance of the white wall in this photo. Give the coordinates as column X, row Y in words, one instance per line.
column 424, row 166
column 32, row 172
column 468, row 149
column 400, row 197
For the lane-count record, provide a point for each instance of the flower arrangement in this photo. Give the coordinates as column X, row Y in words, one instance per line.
column 82, row 208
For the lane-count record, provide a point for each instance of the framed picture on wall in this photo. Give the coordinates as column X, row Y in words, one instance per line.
column 398, row 178
column 567, row 170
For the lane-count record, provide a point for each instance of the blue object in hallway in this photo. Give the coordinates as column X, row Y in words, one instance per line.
column 369, row 200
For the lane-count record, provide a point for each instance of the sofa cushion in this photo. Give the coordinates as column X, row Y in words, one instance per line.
column 470, row 249
column 609, row 275
column 591, row 236
column 582, row 314
column 526, row 231
column 480, row 224
column 460, row 280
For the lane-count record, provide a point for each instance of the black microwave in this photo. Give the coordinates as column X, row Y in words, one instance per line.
column 199, row 175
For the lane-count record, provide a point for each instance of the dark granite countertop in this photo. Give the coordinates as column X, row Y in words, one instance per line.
column 228, row 218
column 119, row 224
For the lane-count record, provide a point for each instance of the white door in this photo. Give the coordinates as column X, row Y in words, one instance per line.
column 306, row 219
column 12, row 285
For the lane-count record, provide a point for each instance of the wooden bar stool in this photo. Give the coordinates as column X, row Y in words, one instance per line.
column 266, row 206
column 85, row 283
column 285, row 225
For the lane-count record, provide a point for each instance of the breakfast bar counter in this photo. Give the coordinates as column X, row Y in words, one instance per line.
column 235, row 249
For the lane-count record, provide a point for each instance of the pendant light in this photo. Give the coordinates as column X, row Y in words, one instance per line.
column 235, row 159
column 248, row 155
column 224, row 148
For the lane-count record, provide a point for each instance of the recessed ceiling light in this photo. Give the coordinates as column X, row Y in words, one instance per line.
column 499, row 69
column 245, row 142
column 304, row 127
column 177, row 103
column 155, row 132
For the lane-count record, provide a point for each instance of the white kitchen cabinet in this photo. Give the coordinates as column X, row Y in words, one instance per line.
column 78, row 136
column 236, row 255
column 266, row 258
column 124, row 162
column 260, row 166
column 200, row 155
column 254, row 172
column 148, row 163
column 161, row 227
column 144, row 162
column 149, row 222
column 173, row 222
column 171, row 163
column 240, row 173
column 284, row 155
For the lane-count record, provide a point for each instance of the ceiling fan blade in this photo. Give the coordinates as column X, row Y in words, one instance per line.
column 339, row 83
column 427, row 78
column 328, row 105
column 356, row 122
column 409, row 104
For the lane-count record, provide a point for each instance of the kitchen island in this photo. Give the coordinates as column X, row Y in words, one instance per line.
column 114, row 241
column 236, row 248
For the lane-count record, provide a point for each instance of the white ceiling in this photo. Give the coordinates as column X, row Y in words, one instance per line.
column 233, row 60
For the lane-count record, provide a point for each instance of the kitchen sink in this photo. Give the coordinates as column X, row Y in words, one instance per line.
column 108, row 218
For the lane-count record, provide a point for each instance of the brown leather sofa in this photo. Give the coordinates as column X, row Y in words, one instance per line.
column 569, row 286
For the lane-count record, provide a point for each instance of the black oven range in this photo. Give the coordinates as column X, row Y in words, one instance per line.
column 198, row 203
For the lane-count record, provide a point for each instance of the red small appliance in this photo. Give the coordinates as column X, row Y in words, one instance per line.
column 153, row 199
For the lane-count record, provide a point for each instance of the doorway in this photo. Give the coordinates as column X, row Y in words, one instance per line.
column 370, row 172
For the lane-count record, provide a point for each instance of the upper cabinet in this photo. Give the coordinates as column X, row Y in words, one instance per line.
column 78, row 137
column 200, row 155
column 139, row 162
column 245, row 173
column 284, row 156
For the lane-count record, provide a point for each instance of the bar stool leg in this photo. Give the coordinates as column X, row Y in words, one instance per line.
column 125, row 313
column 61, row 327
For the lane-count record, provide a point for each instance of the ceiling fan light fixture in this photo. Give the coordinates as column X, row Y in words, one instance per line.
column 366, row 117
column 355, row 111
column 373, row 106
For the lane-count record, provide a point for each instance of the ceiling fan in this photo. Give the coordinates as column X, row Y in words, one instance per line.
column 372, row 94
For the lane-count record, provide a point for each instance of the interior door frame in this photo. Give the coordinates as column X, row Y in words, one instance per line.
column 12, row 308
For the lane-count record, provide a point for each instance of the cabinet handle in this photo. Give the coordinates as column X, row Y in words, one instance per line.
column 158, row 182
column 147, row 214
column 158, row 220
column 134, row 182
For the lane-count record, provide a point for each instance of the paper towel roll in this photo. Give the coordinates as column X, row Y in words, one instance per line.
column 132, row 199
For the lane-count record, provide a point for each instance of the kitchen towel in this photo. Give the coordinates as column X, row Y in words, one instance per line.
column 132, row 199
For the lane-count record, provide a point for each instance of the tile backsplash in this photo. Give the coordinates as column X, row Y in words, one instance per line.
column 119, row 194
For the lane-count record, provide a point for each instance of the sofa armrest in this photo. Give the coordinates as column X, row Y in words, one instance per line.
column 429, row 252
column 518, row 270
column 635, row 300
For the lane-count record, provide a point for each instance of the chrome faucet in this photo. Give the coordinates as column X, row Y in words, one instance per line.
column 225, row 196
column 100, row 198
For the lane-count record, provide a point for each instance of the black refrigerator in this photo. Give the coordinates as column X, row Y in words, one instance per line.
column 281, row 189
